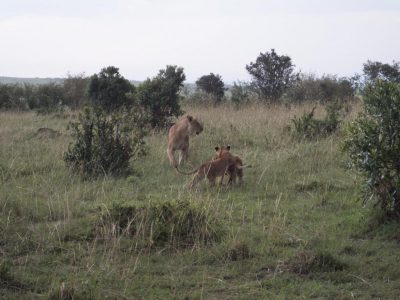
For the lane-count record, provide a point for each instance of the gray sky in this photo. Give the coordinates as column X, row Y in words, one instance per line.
column 48, row 38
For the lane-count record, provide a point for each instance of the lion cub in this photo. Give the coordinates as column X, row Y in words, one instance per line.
column 235, row 171
column 212, row 169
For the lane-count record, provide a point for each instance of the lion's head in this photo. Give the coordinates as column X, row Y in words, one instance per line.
column 194, row 125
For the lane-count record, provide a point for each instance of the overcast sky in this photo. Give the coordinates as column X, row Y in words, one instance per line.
column 49, row 38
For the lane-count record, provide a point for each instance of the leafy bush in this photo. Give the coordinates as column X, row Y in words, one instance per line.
column 240, row 92
column 43, row 98
column 160, row 96
column 104, row 145
column 173, row 223
column 322, row 90
column 12, row 96
column 212, row 85
column 374, row 70
column 308, row 127
column 110, row 90
column 373, row 143
column 271, row 75
column 46, row 98
column 75, row 90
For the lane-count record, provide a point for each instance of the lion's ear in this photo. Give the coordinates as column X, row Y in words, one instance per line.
column 190, row 118
column 216, row 148
column 228, row 147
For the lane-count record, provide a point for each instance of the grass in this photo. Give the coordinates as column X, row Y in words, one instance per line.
column 295, row 229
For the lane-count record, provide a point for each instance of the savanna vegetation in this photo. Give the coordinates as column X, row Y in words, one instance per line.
column 91, row 209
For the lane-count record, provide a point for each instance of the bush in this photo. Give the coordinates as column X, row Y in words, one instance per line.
column 110, row 90
column 240, row 92
column 322, row 90
column 75, row 90
column 374, row 70
column 104, row 145
column 373, row 144
column 160, row 96
column 12, row 96
column 46, row 98
column 212, row 85
column 173, row 223
column 271, row 75
column 307, row 127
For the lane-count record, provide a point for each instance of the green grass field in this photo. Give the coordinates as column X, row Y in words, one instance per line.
column 294, row 229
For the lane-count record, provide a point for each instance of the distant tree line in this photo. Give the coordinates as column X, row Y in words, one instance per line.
column 273, row 80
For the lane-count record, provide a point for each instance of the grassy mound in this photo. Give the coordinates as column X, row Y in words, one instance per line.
column 171, row 223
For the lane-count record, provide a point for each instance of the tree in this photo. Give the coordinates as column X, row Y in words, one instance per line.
column 376, row 70
column 160, row 95
column 212, row 85
column 272, row 74
column 373, row 144
column 110, row 90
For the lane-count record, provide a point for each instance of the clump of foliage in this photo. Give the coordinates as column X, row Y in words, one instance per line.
column 75, row 89
column 374, row 70
column 170, row 223
column 323, row 90
column 212, row 85
column 240, row 92
column 160, row 96
column 46, row 98
column 110, row 90
column 308, row 127
column 373, row 144
column 104, row 144
column 271, row 75
column 12, row 96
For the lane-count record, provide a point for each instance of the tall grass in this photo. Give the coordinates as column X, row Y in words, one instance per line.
column 297, row 210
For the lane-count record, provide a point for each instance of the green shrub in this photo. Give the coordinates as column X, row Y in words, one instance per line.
column 173, row 223
column 12, row 96
column 160, row 96
column 212, row 85
column 240, row 92
column 373, row 144
column 307, row 127
column 323, row 90
column 46, row 98
column 105, row 144
column 110, row 90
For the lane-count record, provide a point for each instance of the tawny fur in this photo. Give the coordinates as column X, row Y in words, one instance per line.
column 235, row 171
column 178, row 138
column 211, row 169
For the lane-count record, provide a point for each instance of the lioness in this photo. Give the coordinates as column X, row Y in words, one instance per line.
column 178, row 138
column 235, row 171
column 212, row 169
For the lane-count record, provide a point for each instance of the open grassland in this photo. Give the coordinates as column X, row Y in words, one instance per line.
column 295, row 229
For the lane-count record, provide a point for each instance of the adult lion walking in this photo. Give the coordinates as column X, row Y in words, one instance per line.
column 178, row 138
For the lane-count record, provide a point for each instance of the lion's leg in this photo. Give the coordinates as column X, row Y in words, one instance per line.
column 171, row 156
column 240, row 175
column 198, row 177
column 184, row 154
column 211, row 180
column 232, row 177
column 222, row 179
